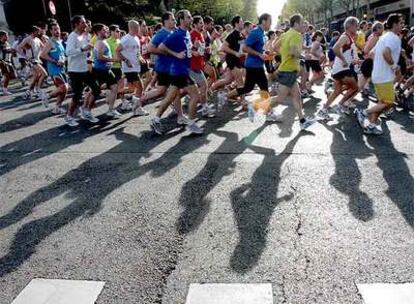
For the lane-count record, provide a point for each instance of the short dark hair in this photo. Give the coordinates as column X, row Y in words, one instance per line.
column 247, row 24
column 34, row 28
column 392, row 19
column 113, row 27
column 264, row 17
column 157, row 27
column 166, row 16
column 208, row 20
column 235, row 20
column 218, row 27
column 297, row 18
column 362, row 23
column 336, row 33
column 180, row 15
column 197, row 19
column 320, row 34
column 76, row 19
column 52, row 24
column 98, row 27
column 270, row 33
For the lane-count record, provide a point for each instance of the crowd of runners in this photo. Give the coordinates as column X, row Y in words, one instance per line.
column 188, row 60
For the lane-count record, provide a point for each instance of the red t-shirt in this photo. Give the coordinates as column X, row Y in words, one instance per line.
column 199, row 45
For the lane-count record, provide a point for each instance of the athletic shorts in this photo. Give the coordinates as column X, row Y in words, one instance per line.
column 59, row 80
column 181, row 81
column 385, row 92
column 163, row 79
column 118, row 73
column 198, row 76
column 81, row 80
column 233, row 63
column 270, row 67
column 254, row 76
column 366, row 67
column 7, row 69
column 346, row 73
column 144, row 68
column 132, row 77
column 315, row 65
column 287, row 79
column 105, row 77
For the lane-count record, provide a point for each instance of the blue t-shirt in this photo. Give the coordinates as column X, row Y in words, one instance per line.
column 100, row 64
column 163, row 62
column 57, row 53
column 255, row 40
column 180, row 41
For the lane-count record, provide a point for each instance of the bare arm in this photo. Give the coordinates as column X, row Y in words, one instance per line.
column 154, row 50
column 226, row 49
column 100, row 48
column 343, row 40
column 388, row 56
column 315, row 47
column 171, row 52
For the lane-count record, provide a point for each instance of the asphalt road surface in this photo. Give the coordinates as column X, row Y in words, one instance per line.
column 313, row 213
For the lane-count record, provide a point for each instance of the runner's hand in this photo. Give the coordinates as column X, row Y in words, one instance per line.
column 181, row 55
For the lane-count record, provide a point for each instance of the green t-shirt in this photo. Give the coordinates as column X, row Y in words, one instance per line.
column 113, row 45
column 290, row 39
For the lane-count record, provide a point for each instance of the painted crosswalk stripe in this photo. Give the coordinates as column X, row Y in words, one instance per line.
column 230, row 293
column 387, row 293
column 44, row 291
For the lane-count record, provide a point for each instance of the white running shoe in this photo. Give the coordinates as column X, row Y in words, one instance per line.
column 114, row 113
column 70, row 121
column 323, row 113
column 89, row 116
column 140, row 111
column 208, row 111
column 306, row 124
column 183, row 120
column 126, row 105
column 59, row 110
column 44, row 98
column 193, row 128
column 28, row 95
column 273, row 117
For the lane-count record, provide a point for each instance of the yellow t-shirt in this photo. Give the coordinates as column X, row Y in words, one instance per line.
column 360, row 41
column 291, row 38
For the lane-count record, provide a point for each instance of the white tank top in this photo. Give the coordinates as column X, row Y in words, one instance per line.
column 319, row 52
column 348, row 52
column 36, row 48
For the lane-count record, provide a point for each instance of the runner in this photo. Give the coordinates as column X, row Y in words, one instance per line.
column 254, row 47
column 34, row 45
column 77, row 51
column 386, row 57
column 342, row 72
column 290, row 46
column 6, row 65
column 113, row 42
column 198, row 64
column 179, row 46
column 232, row 47
column 163, row 60
column 54, row 54
column 102, row 64
column 315, row 57
column 129, row 51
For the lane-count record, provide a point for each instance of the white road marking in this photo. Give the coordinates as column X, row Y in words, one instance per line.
column 230, row 293
column 387, row 293
column 44, row 291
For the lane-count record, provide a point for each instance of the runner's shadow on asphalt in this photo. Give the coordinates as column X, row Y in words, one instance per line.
column 253, row 205
column 347, row 177
column 396, row 173
column 85, row 187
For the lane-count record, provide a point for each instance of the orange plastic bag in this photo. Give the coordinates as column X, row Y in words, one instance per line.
column 262, row 104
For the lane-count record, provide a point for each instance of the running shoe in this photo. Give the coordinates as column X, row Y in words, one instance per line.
column 251, row 113
column 373, row 129
column 323, row 113
column 89, row 116
column 59, row 110
column 28, row 95
column 306, row 124
column 337, row 109
column 208, row 111
column 361, row 116
column 113, row 113
column 273, row 117
column 183, row 120
column 70, row 121
column 156, row 126
column 304, row 94
column 140, row 111
column 193, row 128
column 44, row 98
column 6, row 92
column 126, row 105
